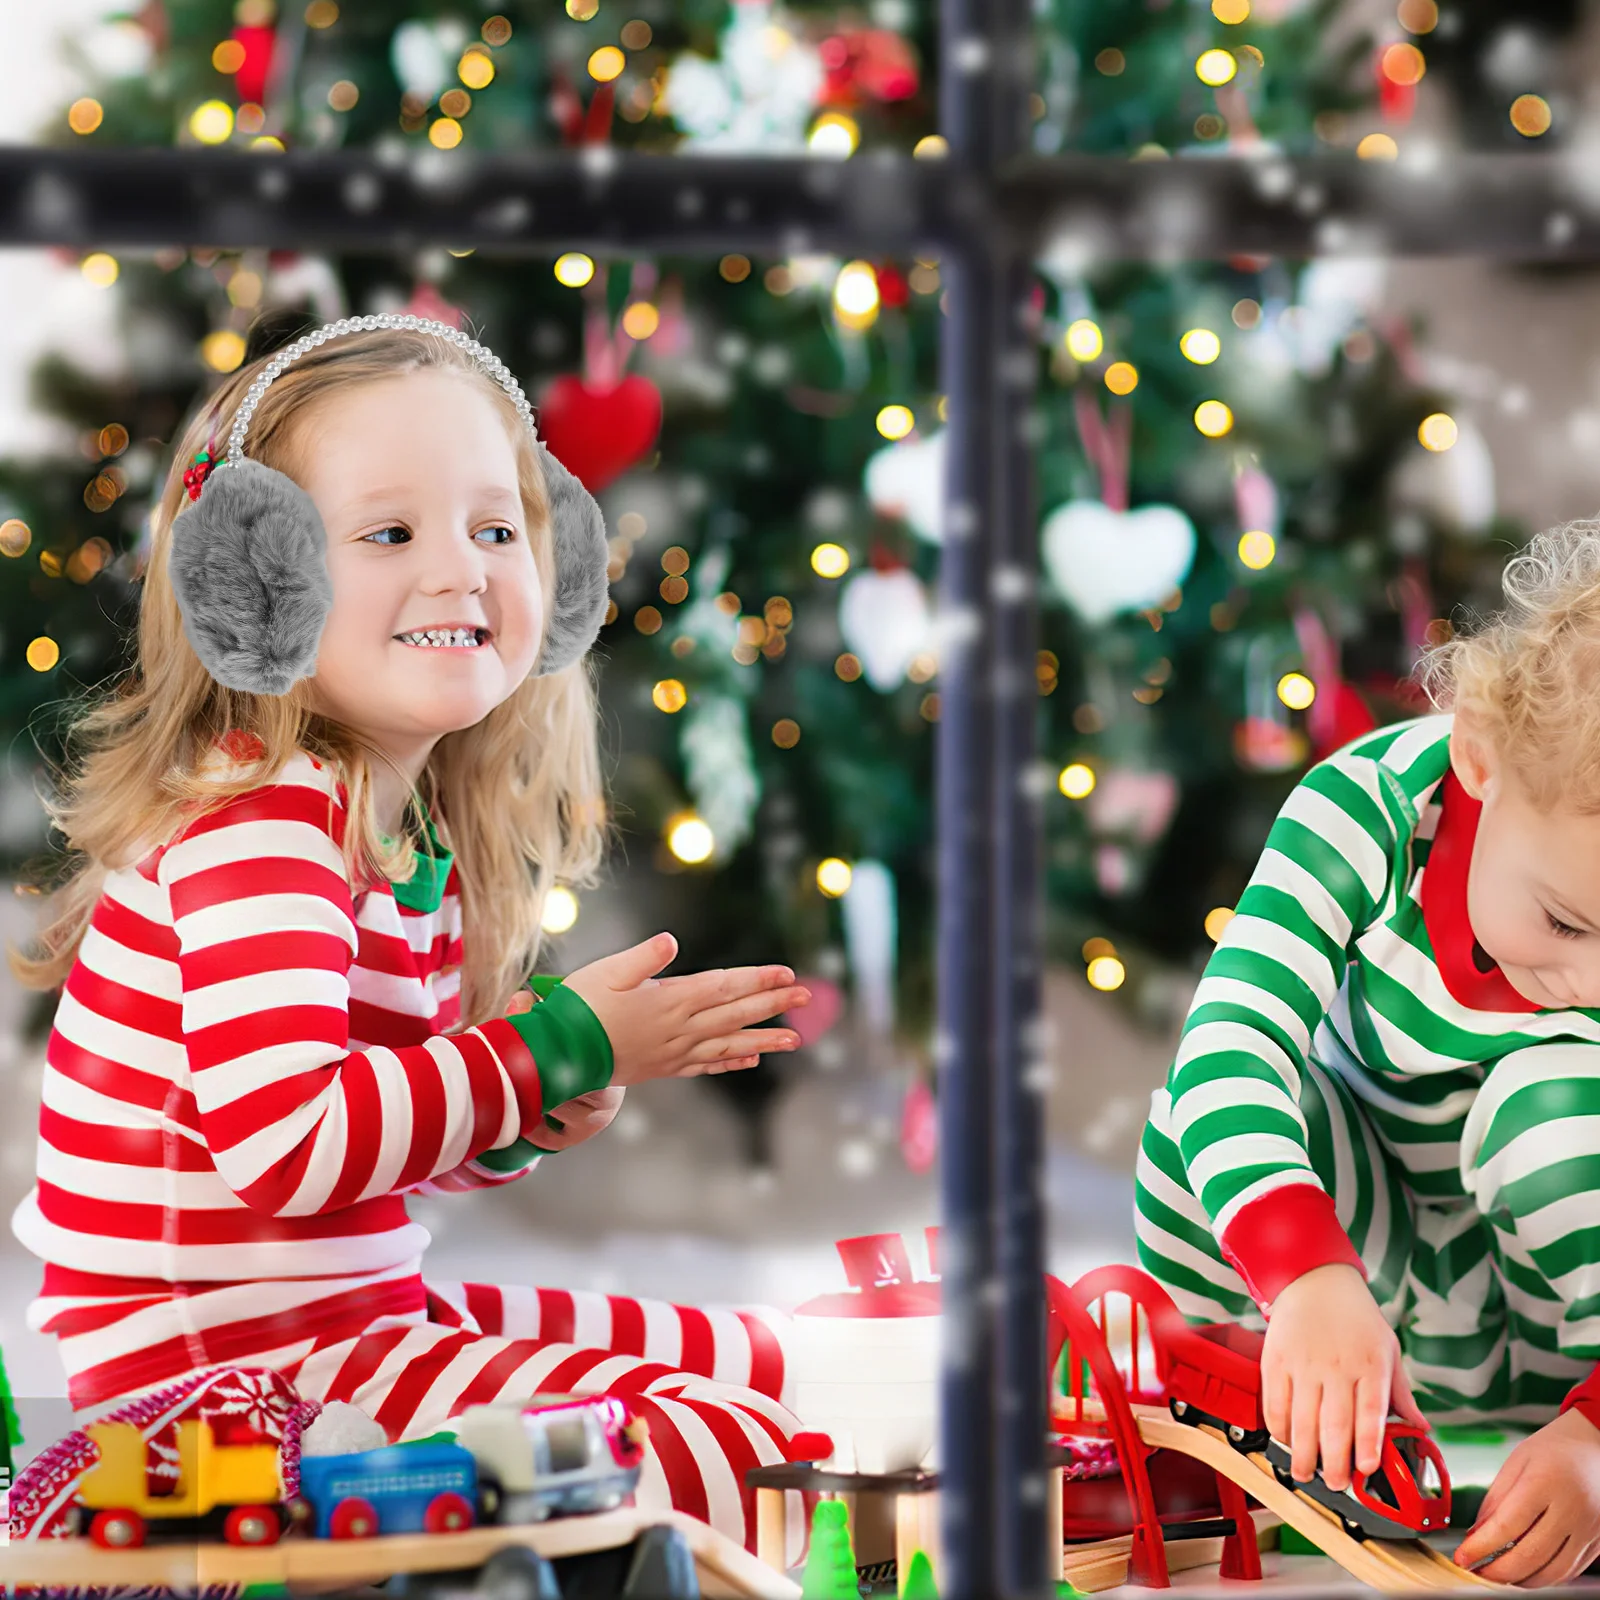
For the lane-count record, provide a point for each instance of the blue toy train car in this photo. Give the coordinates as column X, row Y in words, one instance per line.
column 430, row 1486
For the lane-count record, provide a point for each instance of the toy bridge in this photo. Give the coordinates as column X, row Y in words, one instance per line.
column 1122, row 1398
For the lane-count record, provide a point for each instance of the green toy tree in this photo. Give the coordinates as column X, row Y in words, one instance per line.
column 917, row 1582
column 830, row 1572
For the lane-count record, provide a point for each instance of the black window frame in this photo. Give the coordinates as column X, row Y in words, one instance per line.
column 985, row 209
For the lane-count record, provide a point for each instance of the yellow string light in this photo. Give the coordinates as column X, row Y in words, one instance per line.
column 690, row 839
column 1076, row 781
column 574, row 269
column 1084, row 340
column 560, row 910
column 1106, row 973
column 834, row 877
column 1296, row 690
column 895, row 422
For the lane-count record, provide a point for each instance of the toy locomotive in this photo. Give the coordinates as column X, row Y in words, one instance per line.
column 556, row 1456
column 1213, row 1376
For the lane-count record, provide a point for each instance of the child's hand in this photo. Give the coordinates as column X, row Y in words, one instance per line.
column 1330, row 1370
column 580, row 1118
column 1546, row 1498
column 685, row 1026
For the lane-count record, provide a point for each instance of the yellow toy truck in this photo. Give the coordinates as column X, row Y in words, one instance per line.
column 230, row 1488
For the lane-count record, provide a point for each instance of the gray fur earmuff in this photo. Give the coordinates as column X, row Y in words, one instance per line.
column 249, row 561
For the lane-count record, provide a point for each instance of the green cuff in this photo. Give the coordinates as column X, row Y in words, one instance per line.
column 568, row 1045
column 511, row 1157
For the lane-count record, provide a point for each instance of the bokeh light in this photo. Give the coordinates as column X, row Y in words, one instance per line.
column 212, row 122
column 1216, row 67
column 834, row 135
column 1122, row 377
column 1530, row 115
column 1201, row 346
column 1217, row 920
column 895, row 422
column 1404, row 63
column 830, row 561
column 1257, row 548
column 640, row 320
column 1213, row 418
column 223, row 350
column 560, row 910
column 1106, row 973
column 100, row 269
column 669, row 695
column 1084, row 340
column 855, row 294
column 85, row 115
column 834, row 877
column 1378, row 147
column 1076, row 780
column 1296, row 690
column 606, row 63
column 1437, row 431
column 574, row 269
column 43, row 653
column 475, row 69
column 444, row 133
column 690, row 839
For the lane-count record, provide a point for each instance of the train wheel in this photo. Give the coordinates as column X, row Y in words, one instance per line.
column 1178, row 1408
column 447, row 1513
column 1353, row 1528
column 251, row 1525
column 117, row 1530
column 354, row 1518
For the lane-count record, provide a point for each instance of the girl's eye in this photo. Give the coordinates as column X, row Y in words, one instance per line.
column 379, row 535
column 1562, row 930
column 510, row 533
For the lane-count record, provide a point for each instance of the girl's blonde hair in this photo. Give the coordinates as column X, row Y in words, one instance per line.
column 1527, row 679
column 517, row 796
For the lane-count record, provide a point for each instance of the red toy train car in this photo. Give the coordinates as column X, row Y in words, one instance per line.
column 1213, row 1375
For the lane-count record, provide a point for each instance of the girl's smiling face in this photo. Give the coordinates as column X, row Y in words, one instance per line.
column 416, row 480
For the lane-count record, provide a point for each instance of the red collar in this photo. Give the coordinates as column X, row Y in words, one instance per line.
column 1461, row 960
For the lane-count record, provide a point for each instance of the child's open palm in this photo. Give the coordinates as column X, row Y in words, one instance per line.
column 683, row 1027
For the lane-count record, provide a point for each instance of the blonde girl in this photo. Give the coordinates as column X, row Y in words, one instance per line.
column 297, row 918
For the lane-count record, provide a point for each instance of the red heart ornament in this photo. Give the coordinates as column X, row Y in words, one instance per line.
column 598, row 433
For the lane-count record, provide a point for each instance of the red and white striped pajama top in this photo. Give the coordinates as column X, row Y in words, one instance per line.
column 248, row 1070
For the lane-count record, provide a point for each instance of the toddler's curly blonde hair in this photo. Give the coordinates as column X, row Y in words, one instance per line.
column 1527, row 679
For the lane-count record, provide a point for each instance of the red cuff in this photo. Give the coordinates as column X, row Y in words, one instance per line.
column 517, row 1059
column 1586, row 1398
column 1282, row 1236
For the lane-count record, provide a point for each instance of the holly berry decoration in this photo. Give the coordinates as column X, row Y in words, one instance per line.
column 197, row 472
column 598, row 431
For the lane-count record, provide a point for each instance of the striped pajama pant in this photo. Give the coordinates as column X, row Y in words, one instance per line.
column 709, row 1383
column 1495, row 1291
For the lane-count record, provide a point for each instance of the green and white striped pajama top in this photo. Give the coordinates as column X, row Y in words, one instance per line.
column 1356, row 1082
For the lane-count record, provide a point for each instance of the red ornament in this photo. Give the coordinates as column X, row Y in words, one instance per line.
column 251, row 78
column 1397, row 101
column 919, row 1127
column 598, row 433
column 894, row 289
column 1349, row 718
column 868, row 64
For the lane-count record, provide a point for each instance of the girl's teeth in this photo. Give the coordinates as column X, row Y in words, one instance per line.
column 461, row 637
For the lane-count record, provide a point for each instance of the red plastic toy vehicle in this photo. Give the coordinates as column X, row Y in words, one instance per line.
column 1213, row 1376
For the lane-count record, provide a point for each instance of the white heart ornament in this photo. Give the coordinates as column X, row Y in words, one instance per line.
column 884, row 619
column 1103, row 561
column 906, row 480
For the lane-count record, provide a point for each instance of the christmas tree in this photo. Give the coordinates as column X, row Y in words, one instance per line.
column 1253, row 511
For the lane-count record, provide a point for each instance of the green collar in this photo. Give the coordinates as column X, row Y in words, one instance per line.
column 424, row 889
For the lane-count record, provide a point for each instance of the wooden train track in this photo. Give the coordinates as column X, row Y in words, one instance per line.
column 727, row 1570
column 1104, row 1563
column 1392, row 1565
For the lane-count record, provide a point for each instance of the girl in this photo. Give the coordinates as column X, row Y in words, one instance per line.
column 297, row 924
column 1382, row 1128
